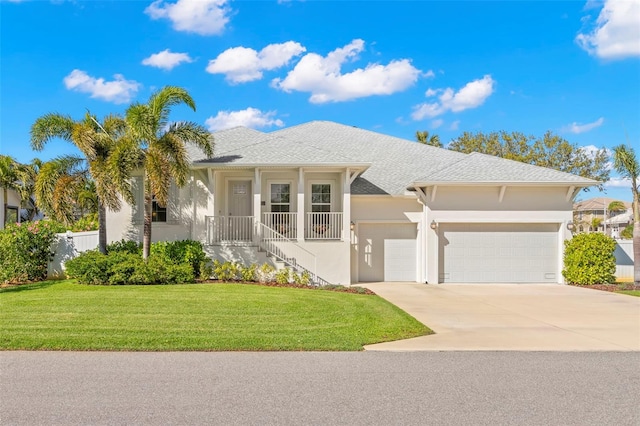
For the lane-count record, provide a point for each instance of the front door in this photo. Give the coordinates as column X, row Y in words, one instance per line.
column 240, row 219
column 239, row 198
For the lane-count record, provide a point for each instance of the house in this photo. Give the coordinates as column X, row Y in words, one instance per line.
column 597, row 208
column 351, row 205
column 617, row 223
column 12, row 212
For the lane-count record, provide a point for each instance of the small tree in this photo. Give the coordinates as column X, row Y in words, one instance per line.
column 589, row 259
column 627, row 164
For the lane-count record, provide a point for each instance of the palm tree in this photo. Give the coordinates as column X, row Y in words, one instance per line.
column 58, row 186
column 626, row 163
column 27, row 175
column 97, row 141
column 161, row 148
column 8, row 179
column 616, row 206
column 423, row 137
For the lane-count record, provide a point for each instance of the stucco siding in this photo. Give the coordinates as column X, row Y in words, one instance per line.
column 371, row 208
column 487, row 198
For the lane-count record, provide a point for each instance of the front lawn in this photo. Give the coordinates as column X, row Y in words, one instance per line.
column 630, row 292
column 63, row 315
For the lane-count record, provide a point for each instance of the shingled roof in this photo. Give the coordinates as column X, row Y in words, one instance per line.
column 394, row 164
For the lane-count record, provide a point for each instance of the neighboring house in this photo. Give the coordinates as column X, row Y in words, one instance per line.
column 12, row 213
column 594, row 208
column 351, row 205
column 616, row 224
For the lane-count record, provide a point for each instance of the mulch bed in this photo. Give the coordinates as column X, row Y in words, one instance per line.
column 332, row 287
column 610, row 287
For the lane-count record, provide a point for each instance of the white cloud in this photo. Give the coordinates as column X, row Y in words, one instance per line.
column 242, row 64
column 204, row 17
column 118, row 91
column 472, row 95
column 618, row 182
column 454, row 125
column 322, row 77
column 437, row 123
column 250, row 117
column 166, row 59
column 616, row 33
column 582, row 128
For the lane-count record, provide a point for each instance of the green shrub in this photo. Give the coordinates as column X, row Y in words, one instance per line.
column 156, row 270
column 283, row 276
column 26, row 250
column 186, row 251
column 248, row 273
column 90, row 267
column 304, row 278
column 589, row 259
column 627, row 233
column 125, row 246
column 227, row 271
column 122, row 268
column 93, row 267
column 265, row 273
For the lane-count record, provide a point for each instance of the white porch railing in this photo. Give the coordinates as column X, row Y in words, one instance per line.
column 323, row 226
column 229, row 228
column 283, row 223
column 288, row 251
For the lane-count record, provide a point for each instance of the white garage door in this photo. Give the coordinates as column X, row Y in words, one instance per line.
column 387, row 252
column 497, row 253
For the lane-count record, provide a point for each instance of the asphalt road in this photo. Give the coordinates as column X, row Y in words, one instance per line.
column 367, row 388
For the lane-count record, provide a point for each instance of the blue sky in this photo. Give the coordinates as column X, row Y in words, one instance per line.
column 392, row 67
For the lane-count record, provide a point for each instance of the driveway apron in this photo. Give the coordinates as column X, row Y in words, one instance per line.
column 514, row 317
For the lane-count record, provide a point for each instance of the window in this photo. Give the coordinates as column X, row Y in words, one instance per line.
column 158, row 212
column 11, row 215
column 321, row 198
column 280, row 198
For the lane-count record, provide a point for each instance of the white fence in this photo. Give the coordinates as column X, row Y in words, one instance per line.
column 624, row 260
column 68, row 246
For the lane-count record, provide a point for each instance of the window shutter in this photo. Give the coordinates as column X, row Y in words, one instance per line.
column 137, row 209
column 173, row 204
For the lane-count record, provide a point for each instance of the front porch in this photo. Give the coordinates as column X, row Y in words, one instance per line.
column 246, row 229
column 300, row 216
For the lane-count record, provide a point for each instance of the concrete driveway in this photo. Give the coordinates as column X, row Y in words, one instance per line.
column 514, row 317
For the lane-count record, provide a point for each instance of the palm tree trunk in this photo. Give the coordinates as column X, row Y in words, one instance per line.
column 146, row 230
column 5, row 194
column 102, row 228
column 636, row 252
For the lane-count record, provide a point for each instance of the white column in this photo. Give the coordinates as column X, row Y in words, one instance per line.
column 346, row 206
column 211, row 197
column 257, row 195
column 300, row 206
column 431, row 245
column 257, row 204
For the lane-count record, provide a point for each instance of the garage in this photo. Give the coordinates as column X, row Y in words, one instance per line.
column 498, row 253
column 387, row 252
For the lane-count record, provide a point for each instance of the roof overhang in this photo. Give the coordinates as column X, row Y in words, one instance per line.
column 315, row 165
column 500, row 183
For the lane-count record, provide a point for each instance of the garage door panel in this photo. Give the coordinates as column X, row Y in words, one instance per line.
column 499, row 252
column 387, row 252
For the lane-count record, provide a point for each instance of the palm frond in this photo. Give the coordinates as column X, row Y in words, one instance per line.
column 51, row 126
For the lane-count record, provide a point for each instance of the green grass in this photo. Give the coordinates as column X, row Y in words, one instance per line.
column 630, row 292
column 63, row 315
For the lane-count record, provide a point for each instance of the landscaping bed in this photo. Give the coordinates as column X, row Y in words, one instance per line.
column 616, row 287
